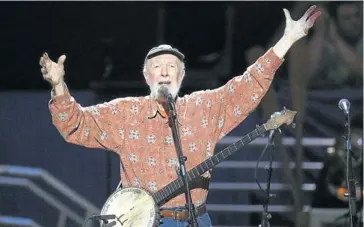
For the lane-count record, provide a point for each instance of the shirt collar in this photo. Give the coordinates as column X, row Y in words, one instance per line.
column 157, row 109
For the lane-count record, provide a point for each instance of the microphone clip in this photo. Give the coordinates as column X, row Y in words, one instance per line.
column 170, row 98
column 171, row 106
column 272, row 134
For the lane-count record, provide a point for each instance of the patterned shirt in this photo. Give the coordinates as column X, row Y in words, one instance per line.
column 148, row 158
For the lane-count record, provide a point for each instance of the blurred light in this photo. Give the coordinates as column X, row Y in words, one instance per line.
column 330, row 150
column 359, row 141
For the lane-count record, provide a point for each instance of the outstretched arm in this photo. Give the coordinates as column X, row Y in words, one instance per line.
column 242, row 94
column 85, row 126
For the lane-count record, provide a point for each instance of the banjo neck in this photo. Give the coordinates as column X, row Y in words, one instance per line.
column 163, row 195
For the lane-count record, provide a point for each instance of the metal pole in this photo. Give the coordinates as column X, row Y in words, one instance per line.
column 298, row 67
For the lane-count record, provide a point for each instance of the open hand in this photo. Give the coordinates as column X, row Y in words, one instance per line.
column 295, row 30
column 52, row 72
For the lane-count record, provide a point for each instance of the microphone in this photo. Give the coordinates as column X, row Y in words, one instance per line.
column 271, row 134
column 163, row 92
column 344, row 105
column 111, row 224
column 103, row 217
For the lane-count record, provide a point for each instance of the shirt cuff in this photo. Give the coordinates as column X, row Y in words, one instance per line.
column 271, row 60
column 61, row 99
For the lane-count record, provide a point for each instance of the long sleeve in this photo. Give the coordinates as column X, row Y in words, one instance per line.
column 95, row 126
column 234, row 101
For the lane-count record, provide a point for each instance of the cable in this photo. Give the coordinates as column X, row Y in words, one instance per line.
column 84, row 223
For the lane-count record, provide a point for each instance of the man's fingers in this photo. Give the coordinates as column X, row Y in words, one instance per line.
column 311, row 21
column 309, row 12
column 45, row 61
column 44, row 71
column 42, row 62
column 313, row 18
column 45, row 56
column 61, row 60
column 287, row 14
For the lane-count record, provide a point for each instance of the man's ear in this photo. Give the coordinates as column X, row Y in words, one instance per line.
column 181, row 75
column 147, row 80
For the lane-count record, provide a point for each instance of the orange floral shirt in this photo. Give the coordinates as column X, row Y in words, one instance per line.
column 148, row 158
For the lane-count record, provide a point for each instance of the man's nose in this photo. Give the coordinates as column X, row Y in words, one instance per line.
column 164, row 72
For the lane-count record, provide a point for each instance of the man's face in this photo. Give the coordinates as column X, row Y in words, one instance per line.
column 164, row 70
column 349, row 20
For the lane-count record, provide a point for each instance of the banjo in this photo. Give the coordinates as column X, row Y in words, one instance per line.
column 136, row 207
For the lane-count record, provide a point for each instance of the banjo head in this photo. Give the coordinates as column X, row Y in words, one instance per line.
column 133, row 207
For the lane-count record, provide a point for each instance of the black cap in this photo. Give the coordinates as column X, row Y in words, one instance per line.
column 164, row 49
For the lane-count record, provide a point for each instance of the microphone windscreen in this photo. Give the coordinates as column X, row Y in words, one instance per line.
column 163, row 91
column 344, row 104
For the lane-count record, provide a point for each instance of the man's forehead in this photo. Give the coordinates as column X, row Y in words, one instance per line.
column 164, row 57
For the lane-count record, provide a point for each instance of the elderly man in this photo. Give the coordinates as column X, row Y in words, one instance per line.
column 137, row 128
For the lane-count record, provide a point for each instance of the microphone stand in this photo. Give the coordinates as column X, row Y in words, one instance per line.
column 350, row 181
column 265, row 215
column 173, row 122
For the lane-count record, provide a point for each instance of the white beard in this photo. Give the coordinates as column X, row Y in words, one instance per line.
column 155, row 92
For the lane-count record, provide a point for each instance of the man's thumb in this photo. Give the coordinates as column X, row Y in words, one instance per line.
column 61, row 60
